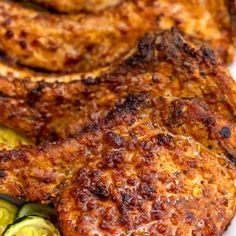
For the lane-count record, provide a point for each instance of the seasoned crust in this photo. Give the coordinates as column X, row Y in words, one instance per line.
column 164, row 64
column 65, row 43
column 68, row 43
column 153, row 166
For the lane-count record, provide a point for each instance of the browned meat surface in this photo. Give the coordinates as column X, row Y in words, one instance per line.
column 147, row 145
column 151, row 167
column 68, row 43
column 78, row 5
column 82, row 42
column 164, row 64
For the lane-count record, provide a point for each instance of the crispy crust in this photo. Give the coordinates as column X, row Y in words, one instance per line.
column 152, row 166
column 164, row 64
column 59, row 43
column 68, row 43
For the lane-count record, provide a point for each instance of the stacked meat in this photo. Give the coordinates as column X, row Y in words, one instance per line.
column 134, row 122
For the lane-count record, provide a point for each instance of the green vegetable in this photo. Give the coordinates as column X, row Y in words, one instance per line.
column 29, row 209
column 31, row 226
column 10, row 138
column 7, row 214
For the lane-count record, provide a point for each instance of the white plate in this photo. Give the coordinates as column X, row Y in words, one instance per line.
column 233, row 67
column 232, row 229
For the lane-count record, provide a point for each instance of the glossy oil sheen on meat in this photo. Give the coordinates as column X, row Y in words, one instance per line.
column 151, row 167
column 72, row 43
column 164, row 64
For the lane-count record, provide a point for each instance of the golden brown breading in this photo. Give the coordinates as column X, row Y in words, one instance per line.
column 84, row 42
column 164, row 64
column 69, row 43
column 78, row 5
column 154, row 166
